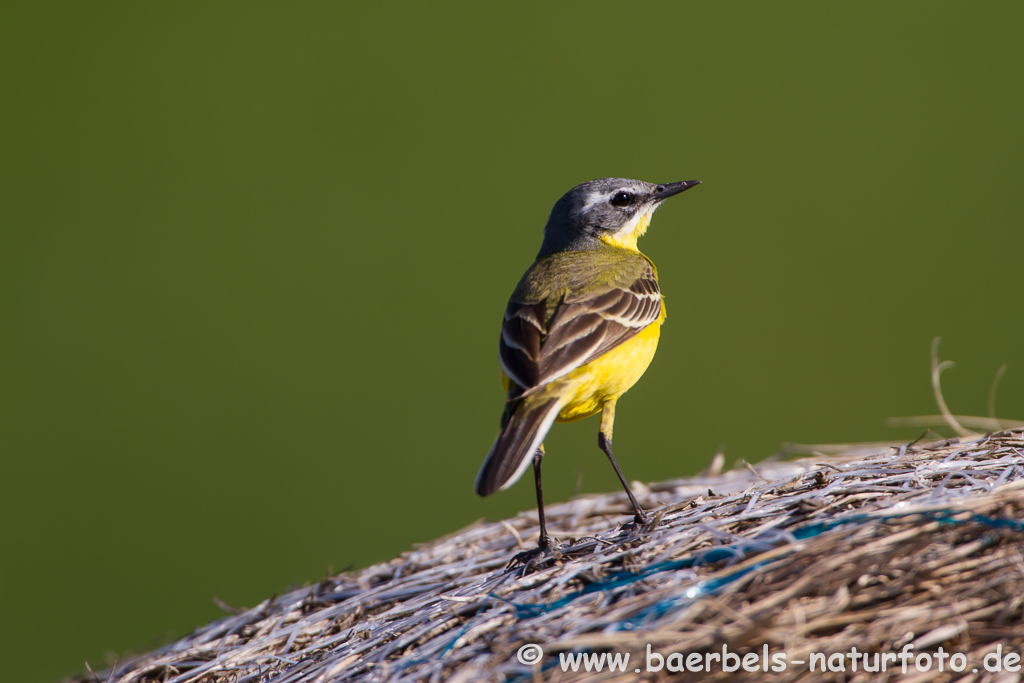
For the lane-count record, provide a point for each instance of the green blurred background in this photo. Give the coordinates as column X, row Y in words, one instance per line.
column 254, row 259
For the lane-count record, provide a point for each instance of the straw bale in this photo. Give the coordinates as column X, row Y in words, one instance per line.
column 875, row 548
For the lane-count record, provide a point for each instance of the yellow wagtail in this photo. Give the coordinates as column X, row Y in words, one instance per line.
column 580, row 328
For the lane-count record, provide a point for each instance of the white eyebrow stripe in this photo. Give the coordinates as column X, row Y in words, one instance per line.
column 596, row 198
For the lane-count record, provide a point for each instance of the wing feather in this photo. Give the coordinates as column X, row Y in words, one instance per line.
column 522, row 333
column 538, row 345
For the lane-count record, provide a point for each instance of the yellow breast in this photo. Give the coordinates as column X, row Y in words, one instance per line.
column 609, row 376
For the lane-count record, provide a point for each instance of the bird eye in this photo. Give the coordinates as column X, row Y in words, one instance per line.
column 621, row 199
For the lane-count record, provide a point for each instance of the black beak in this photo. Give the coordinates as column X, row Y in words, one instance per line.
column 663, row 192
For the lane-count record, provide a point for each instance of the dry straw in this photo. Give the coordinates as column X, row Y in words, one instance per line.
column 881, row 548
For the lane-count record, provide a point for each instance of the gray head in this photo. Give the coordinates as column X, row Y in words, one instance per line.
column 615, row 211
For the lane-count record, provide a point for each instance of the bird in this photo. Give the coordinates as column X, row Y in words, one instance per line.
column 580, row 328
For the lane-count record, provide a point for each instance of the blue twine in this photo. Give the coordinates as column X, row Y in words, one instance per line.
column 724, row 552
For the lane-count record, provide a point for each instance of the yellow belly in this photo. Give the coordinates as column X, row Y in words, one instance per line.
column 588, row 388
column 606, row 378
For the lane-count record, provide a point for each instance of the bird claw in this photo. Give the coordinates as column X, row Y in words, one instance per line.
column 529, row 559
column 638, row 525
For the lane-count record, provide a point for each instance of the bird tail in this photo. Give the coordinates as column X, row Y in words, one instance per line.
column 522, row 433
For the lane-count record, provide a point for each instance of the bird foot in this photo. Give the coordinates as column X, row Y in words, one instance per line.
column 639, row 524
column 530, row 559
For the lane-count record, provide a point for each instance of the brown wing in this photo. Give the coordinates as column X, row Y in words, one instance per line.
column 535, row 351
column 522, row 333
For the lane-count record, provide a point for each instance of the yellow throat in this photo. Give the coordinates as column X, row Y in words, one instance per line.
column 627, row 236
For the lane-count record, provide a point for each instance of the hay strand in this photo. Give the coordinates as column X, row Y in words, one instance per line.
column 877, row 548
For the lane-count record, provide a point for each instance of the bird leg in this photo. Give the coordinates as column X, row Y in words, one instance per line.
column 544, row 541
column 529, row 558
column 604, row 442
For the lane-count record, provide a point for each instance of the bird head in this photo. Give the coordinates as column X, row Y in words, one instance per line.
column 615, row 211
